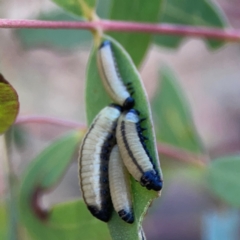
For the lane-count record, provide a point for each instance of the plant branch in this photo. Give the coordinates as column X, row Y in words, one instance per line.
column 121, row 26
column 165, row 149
column 49, row 120
column 182, row 155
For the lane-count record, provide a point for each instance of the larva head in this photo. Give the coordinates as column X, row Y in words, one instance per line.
column 151, row 181
column 132, row 116
column 113, row 111
column 128, row 103
column 105, row 43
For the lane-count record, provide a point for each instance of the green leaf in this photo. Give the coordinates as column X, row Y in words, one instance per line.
column 172, row 115
column 75, row 217
column 97, row 99
column 103, row 8
column 3, row 221
column 188, row 12
column 9, row 105
column 65, row 38
column 223, row 179
column 136, row 44
column 83, row 8
column 41, row 175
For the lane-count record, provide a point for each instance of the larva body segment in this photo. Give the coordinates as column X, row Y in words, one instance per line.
column 93, row 162
column 120, row 186
column 134, row 152
column 111, row 77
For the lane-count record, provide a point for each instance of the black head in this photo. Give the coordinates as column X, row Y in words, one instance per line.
column 151, row 181
column 129, row 103
column 105, row 43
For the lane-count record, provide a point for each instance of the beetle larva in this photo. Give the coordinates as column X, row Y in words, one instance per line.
column 111, row 77
column 93, row 162
column 120, row 186
column 134, row 153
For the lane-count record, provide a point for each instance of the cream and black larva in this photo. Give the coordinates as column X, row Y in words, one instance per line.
column 111, row 78
column 93, row 162
column 120, row 186
column 134, row 152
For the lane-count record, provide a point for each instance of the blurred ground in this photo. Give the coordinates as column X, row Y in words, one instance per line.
column 51, row 82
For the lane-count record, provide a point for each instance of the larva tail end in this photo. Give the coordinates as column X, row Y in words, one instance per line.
column 104, row 44
column 129, row 103
column 103, row 215
column 151, row 181
column 126, row 216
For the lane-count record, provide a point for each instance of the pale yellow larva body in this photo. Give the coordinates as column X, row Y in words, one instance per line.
column 120, row 186
column 133, row 152
column 111, row 78
column 93, row 162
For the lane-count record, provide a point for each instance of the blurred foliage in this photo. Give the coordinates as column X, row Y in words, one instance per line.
column 82, row 8
column 223, row 179
column 9, row 105
column 136, row 44
column 97, row 99
column 3, row 221
column 172, row 115
column 63, row 38
column 188, row 12
column 42, row 174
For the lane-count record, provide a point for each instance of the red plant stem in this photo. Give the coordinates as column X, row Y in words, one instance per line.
column 182, row 155
column 165, row 149
column 121, row 26
column 49, row 120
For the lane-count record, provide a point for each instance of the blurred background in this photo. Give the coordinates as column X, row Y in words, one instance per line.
column 48, row 72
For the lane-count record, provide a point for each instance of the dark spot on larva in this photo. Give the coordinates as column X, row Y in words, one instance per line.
column 104, row 192
column 104, row 168
column 104, row 180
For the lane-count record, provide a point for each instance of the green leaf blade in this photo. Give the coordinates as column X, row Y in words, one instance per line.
column 136, row 44
column 193, row 13
column 82, row 8
column 42, row 174
column 78, row 221
column 96, row 100
column 63, row 38
column 172, row 115
column 223, row 179
column 9, row 105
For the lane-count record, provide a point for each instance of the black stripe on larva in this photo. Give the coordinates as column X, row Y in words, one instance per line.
column 129, row 102
column 126, row 144
column 126, row 216
column 150, row 179
column 105, row 211
column 106, row 203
